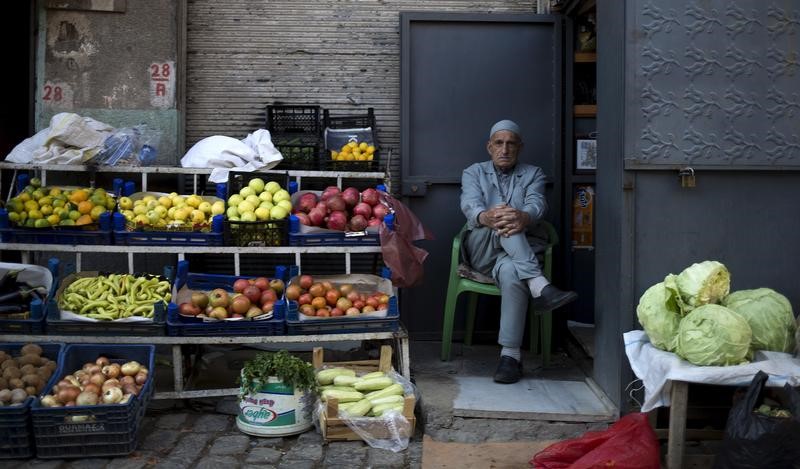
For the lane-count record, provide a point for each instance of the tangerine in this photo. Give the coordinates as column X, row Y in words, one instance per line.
column 85, row 207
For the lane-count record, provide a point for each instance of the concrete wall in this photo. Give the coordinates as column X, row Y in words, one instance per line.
column 116, row 66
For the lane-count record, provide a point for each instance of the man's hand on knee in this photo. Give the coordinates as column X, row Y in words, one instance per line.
column 511, row 221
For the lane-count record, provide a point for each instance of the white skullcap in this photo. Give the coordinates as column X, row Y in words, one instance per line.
column 505, row 124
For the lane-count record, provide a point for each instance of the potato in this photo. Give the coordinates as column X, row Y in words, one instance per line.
column 27, row 369
column 8, row 363
column 32, row 380
column 3, row 383
column 3, row 356
column 30, row 390
column 31, row 349
column 5, row 396
column 15, row 383
column 12, row 372
column 18, row 395
column 29, row 359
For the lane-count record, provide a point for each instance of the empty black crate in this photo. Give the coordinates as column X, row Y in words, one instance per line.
column 286, row 120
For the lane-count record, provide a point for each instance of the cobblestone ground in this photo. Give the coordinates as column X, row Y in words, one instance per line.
column 201, row 440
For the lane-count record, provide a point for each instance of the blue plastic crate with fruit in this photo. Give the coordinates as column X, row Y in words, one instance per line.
column 339, row 304
column 56, row 215
column 227, row 305
column 103, row 417
column 157, row 218
column 336, row 217
column 24, row 292
column 36, row 365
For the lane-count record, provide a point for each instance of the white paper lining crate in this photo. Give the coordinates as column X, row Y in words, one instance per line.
column 333, row 428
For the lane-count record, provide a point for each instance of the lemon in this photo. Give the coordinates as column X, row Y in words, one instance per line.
column 35, row 214
column 218, row 208
column 53, row 219
column 363, row 146
column 371, row 149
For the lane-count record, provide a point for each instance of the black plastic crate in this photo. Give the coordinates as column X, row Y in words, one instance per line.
column 287, row 120
column 351, row 121
column 16, row 433
column 299, row 155
column 257, row 233
column 57, row 326
column 99, row 430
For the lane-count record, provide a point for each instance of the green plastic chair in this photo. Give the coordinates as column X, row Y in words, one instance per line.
column 540, row 323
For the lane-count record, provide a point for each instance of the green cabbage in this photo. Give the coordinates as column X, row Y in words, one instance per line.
column 659, row 314
column 714, row 335
column 703, row 283
column 770, row 317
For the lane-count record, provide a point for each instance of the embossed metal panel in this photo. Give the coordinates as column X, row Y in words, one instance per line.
column 713, row 84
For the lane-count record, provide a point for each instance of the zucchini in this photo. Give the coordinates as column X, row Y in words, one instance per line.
column 393, row 399
column 374, row 374
column 326, row 376
column 373, row 384
column 358, row 409
column 337, row 388
column 396, row 388
column 342, row 396
column 344, row 380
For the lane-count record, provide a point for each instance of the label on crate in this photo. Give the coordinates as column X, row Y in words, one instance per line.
column 94, row 427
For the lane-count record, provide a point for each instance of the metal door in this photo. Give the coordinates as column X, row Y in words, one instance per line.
column 460, row 74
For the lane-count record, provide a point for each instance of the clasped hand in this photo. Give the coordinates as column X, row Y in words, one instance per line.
column 505, row 220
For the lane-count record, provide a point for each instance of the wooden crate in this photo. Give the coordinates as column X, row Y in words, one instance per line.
column 333, row 427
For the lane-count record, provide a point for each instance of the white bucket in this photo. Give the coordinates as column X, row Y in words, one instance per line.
column 275, row 410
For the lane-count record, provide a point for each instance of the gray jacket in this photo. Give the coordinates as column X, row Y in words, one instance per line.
column 480, row 191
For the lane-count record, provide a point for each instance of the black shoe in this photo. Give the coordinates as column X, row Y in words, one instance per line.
column 552, row 298
column 508, row 370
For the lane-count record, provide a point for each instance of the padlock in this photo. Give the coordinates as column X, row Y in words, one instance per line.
column 687, row 177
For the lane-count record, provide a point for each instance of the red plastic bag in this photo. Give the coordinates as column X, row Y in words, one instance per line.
column 399, row 253
column 628, row 444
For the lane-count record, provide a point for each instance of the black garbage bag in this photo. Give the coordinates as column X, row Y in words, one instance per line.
column 754, row 440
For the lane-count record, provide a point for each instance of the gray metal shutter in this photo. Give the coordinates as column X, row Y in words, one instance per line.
column 712, row 85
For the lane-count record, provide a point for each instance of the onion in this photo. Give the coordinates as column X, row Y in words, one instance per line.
column 50, row 401
column 92, row 387
column 112, row 371
column 130, row 388
column 102, row 361
column 68, row 394
column 87, row 398
column 98, row 379
column 140, row 378
column 131, row 368
column 112, row 396
column 111, row 383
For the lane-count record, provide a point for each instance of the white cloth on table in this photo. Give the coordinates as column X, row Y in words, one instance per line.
column 658, row 368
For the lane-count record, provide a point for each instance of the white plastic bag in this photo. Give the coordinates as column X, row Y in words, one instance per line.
column 223, row 153
column 70, row 139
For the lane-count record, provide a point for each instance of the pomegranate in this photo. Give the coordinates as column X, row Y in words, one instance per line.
column 350, row 196
column 303, row 218
column 379, row 211
column 358, row 223
column 370, row 196
column 336, row 203
column 337, row 220
column 363, row 209
column 307, row 201
column 330, row 191
column 374, row 222
column 316, row 217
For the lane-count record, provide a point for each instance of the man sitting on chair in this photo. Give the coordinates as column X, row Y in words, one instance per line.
column 503, row 200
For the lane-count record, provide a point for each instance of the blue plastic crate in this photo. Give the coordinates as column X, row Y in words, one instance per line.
column 167, row 238
column 57, row 326
column 16, row 434
column 342, row 324
column 181, row 326
column 296, row 238
column 98, row 430
column 56, row 235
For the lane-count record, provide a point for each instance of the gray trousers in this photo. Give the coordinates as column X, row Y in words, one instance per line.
column 510, row 262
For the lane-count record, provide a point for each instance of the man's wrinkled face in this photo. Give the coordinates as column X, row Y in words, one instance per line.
column 504, row 147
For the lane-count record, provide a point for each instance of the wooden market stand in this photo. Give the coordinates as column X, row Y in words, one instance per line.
column 398, row 338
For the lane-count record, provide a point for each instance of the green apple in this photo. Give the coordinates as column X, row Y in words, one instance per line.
column 245, row 207
column 281, row 194
column 272, row 187
column 246, row 191
column 232, row 212
column 262, row 214
column 249, row 216
column 257, row 184
column 265, row 196
column 205, row 207
column 286, row 204
column 278, row 213
column 235, row 200
column 125, row 203
column 218, row 208
column 266, row 205
column 253, row 199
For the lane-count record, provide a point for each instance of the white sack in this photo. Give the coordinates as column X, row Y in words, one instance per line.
column 70, row 139
column 223, row 153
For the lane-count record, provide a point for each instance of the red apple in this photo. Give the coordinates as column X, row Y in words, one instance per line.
column 240, row 284
column 240, row 304
column 253, row 312
column 218, row 312
column 337, row 312
column 188, row 309
column 367, row 309
column 343, row 303
column 308, row 310
column 268, row 306
column 253, row 293
column 268, row 295
column 372, row 301
column 305, row 299
column 359, row 304
column 262, row 283
column 200, row 300
column 332, row 296
column 293, row 292
column 352, row 296
column 306, row 281
column 323, row 312
column 352, row 312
